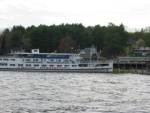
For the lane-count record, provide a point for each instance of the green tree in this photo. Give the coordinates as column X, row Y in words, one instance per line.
column 67, row 45
column 41, row 38
column 115, row 40
column 147, row 39
column 18, row 33
column 98, row 36
column 27, row 38
column 6, row 37
column 3, row 46
column 27, row 43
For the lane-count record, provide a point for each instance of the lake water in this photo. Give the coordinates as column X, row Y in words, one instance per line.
column 27, row 92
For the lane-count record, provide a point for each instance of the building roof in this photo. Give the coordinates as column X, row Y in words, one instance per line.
column 142, row 48
column 88, row 50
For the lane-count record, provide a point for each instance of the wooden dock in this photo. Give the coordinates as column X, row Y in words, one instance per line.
column 134, row 67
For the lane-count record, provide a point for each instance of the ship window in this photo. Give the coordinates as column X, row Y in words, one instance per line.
column 36, row 65
column 66, row 65
column 5, row 59
column 3, row 64
column 58, row 60
column 28, row 64
column 12, row 64
column 104, row 64
column 74, row 65
column 35, row 59
column 12, row 59
column 51, row 65
column 20, row 64
column 44, row 65
column 65, row 60
column 27, row 59
column 59, row 65
column 83, row 65
column 0, row 59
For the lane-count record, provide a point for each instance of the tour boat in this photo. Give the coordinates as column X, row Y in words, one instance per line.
column 53, row 62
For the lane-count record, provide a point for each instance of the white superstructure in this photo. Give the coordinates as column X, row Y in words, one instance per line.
column 53, row 62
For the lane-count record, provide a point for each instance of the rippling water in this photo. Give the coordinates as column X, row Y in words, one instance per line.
column 22, row 92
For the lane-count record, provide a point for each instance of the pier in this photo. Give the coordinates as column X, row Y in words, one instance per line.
column 138, row 65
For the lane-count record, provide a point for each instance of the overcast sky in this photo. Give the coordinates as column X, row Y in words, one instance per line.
column 134, row 14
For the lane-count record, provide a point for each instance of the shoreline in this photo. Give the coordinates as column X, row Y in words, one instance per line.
column 132, row 71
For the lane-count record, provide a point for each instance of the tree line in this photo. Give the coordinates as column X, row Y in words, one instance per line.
column 112, row 39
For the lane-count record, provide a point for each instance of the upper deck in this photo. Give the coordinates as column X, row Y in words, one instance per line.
column 44, row 55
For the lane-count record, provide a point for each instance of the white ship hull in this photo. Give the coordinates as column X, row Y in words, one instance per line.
column 102, row 70
column 48, row 62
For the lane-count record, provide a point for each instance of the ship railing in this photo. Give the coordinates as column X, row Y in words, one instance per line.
column 58, row 62
column 47, row 62
column 102, row 61
column 5, row 57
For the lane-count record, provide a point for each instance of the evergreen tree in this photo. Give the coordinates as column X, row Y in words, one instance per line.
column 3, row 46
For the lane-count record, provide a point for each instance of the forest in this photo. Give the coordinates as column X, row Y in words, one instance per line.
column 112, row 40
